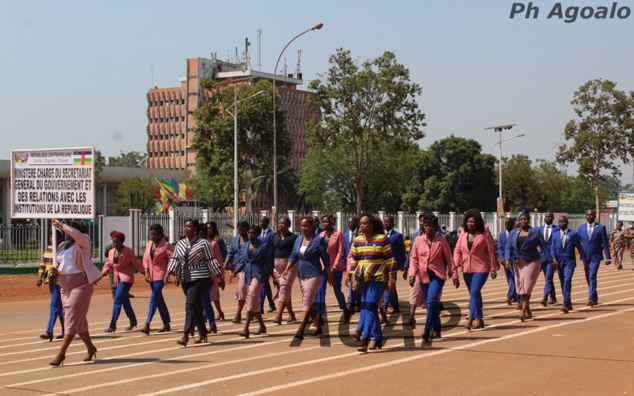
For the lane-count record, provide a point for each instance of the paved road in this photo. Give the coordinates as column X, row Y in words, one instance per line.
column 588, row 351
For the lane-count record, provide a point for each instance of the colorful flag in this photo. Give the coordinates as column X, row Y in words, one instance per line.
column 82, row 157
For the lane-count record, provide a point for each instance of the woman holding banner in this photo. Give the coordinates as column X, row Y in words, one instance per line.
column 77, row 275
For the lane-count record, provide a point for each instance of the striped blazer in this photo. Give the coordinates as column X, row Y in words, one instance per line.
column 198, row 255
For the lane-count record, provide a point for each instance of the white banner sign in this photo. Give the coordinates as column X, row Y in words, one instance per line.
column 53, row 183
column 625, row 208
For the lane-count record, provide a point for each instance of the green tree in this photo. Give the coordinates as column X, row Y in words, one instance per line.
column 363, row 106
column 550, row 180
column 134, row 193
column 598, row 138
column 518, row 182
column 577, row 197
column 453, row 175
column 213, row 183
column 132, row 159
column 328, row 178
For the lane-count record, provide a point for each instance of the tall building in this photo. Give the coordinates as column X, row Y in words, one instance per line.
column 171, row 119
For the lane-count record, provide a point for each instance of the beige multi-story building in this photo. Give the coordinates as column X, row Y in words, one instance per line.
column 171, row 119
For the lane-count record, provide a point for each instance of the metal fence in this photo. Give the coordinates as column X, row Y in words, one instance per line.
column 20, row 243
column 24, row 243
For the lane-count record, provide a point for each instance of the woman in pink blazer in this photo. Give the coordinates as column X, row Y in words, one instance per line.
column 157, row 253
column 121, row 259
column 475, row 253
column 77, row 275
column 431, row 259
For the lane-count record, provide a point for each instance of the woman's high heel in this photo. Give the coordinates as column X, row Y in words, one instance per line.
column 261, row 330
column 200, row 340
column 166, row 328
column 425, row 336
column 363, row 348
column 130, row 328
column 355, row 334
column 221, row 316
column 376, row 345
column 212, row 329
column 237, row 320
column 244, row 334
column 145, row 330
column 469, row 324
column 479, row 324
column 109, row 330
column 277, row 321
column 291, row 319
column 59, row 361
column 184, row 340
column 47, row 336
column 92, row 352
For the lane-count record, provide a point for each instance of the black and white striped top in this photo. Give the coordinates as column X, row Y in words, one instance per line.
column 202, row 263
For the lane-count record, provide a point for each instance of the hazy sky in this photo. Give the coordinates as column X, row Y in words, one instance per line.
column 76, row 73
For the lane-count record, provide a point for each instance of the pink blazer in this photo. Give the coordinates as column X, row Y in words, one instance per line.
column 423, row 258
column 157, row 267
column 215, row 250
column 481, row 257
column 123, row 268
column 81, row 256
column 334, row 249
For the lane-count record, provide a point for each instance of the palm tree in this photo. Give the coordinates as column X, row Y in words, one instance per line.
column 287, row 182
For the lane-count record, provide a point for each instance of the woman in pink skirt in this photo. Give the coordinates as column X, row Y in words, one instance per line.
column 234, row 257
column 522, row 253
column 306, row 255
column 77, row 274
column 257, row 265
column 283, row 243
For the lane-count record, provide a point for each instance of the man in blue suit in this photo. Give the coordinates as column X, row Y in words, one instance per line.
column 594, row 239
column 563, row 250
column 547, row 231
column 266, row 237
column 398, row 249
column 509, row 224
column 354, row 300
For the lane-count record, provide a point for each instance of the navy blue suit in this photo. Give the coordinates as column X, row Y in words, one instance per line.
column 259, row 266
column 528, row 251
column 547, row 269
column 234, row 252
column 267, row 239
column 398, row 249
column 593, row 248
column 564, row 253
column 354, row 299
column 510, row 275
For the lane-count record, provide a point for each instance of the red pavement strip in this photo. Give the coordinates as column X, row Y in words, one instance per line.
column 590, row 348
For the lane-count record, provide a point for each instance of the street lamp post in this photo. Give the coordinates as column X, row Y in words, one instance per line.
column 499, row 129
column 316, row 26
column 236, row 190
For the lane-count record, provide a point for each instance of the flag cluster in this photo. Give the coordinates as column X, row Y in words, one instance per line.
column 169, row 193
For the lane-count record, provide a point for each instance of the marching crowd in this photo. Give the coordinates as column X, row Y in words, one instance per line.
column 366, row 258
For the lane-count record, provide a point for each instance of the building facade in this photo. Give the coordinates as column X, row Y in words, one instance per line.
column 171, row 121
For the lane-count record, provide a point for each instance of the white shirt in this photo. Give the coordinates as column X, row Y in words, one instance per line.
column 66, row 262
